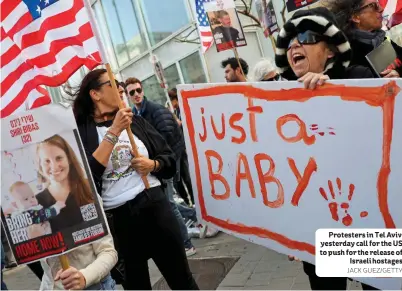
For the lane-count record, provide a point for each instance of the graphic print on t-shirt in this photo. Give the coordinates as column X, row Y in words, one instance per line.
column 121, row 161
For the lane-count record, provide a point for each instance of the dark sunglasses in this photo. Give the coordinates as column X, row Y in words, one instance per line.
column 374, row 5
column 132, row 92
column 307, row 37
column 109, row 83
column 274, row 78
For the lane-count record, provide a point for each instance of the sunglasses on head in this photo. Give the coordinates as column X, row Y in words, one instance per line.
column 132, row 92
column 307, row 37
column 374, row 5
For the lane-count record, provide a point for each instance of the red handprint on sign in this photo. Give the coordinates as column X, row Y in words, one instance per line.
column 347, row 219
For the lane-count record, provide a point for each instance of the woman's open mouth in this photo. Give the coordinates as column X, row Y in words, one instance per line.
column 297, row 57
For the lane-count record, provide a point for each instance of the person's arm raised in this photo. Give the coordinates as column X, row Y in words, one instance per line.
column 122, row 120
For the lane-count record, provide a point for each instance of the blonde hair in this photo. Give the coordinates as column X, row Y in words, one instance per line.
column 15, row 185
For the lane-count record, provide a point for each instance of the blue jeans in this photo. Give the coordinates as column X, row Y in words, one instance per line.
column 187, row 212
column 3, row 285
column 183, row 229
column 106, row 284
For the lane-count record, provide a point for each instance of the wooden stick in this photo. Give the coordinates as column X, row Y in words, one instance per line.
column 122, row 105
column 273, row 43
column 64, row 262
column 238, row 61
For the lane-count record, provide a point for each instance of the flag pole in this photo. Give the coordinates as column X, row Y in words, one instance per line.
column 112, row 81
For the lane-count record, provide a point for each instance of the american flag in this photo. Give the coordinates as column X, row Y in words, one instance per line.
column 43, row 42
column 392, row 11
column 203, row 25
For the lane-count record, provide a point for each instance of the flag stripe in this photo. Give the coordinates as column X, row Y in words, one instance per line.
column 44, row 74
column 9, row 55
column 25, row 20
column 43, row 46
column 59, row 21
column 67, row 71
column 18, row 67
column 6, row 7
column 36, row 49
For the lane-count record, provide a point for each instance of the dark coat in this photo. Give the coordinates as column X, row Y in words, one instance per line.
column 153, row 141
column 228, row 33
column 360, row 50
column 164, row 122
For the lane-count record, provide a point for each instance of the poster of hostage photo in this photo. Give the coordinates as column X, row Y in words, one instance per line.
column 225, row 24
column 49, row 203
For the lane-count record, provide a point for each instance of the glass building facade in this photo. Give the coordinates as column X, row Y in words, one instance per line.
column 131, row 30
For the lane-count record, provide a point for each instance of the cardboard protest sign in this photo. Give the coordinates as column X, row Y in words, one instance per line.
column 225, row 24
column 292, row 5
column 266, row 14
column 281, row 161
column 49, row 203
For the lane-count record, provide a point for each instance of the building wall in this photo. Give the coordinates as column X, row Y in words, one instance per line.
column 131, row 30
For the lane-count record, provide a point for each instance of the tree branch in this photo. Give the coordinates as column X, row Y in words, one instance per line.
column 252, row 25
column 245, row 13
column 194, row 40
column 250, row 5
column 188, row 34
column 245, row 4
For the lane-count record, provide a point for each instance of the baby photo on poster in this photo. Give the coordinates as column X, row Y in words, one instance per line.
column 49, row 203
column 225, row 25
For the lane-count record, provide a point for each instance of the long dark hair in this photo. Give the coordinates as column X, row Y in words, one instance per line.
column 79, row 186
column 344, row 10
column 83, row 105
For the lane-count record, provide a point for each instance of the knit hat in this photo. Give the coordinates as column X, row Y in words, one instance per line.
column 321, row 21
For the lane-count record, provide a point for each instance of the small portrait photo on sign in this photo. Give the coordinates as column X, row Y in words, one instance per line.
column 225, row 26
column 49, row 205
column 266, row 14
column 292, row 5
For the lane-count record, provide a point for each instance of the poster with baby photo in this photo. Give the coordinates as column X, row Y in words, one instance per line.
column 49, row 204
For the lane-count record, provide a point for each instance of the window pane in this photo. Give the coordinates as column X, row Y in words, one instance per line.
column 162, row 18
column 101, row 24
column 134, row 39
column 153, row 90
column 115, row 29
column 192, row 69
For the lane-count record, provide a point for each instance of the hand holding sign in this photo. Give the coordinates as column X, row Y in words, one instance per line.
column 72, row 279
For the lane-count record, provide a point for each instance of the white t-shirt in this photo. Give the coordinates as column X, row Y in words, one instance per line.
column 120, row 182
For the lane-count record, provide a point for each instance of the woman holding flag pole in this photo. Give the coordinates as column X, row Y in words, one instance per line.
column 129, row 159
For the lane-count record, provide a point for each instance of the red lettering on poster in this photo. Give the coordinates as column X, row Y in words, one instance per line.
column 382, row 96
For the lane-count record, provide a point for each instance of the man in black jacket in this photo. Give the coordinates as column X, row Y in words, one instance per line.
column 312, row 49
column 164, row 122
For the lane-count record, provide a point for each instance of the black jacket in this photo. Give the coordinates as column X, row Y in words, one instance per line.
column 164, row 122
column 360, row 50
column 153, row 141
column 228, row 33
column 352, row 72
column 339, row 72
